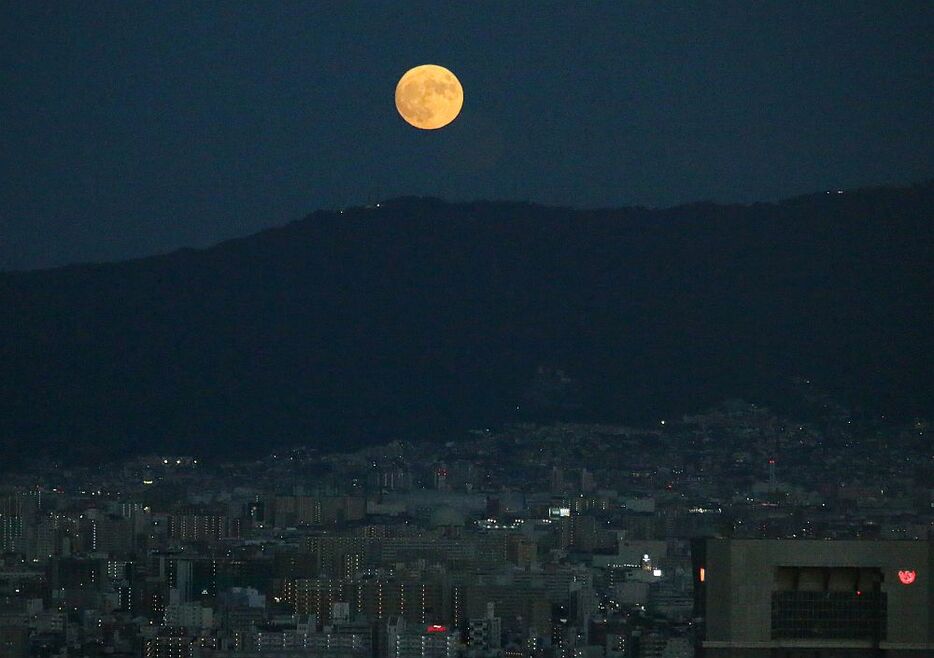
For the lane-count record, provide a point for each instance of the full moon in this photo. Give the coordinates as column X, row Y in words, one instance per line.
column 429, row 97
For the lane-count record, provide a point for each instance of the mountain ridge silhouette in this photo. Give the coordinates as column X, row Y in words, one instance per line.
column 420, row 318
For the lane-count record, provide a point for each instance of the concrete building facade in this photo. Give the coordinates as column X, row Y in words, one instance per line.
column 814, row 598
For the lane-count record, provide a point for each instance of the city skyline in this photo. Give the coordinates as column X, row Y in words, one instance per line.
column 373, row 329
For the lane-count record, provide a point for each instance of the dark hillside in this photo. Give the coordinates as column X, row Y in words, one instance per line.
column 422, row 317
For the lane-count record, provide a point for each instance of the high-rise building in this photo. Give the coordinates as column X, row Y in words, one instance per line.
column 197, row 526
column 419, row 641
column 189, row 615
column 587, row 483
column 12, row 534
column 170, row 643
column 76, row 573
column 485, row 634
column 816, row 598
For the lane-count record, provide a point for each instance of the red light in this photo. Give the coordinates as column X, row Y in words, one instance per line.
column 437, row 628
column 907, row 577
column 858, row 593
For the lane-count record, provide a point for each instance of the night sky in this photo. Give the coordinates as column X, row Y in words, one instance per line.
column 131, row 128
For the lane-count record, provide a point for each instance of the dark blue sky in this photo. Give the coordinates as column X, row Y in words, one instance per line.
column 132, row 128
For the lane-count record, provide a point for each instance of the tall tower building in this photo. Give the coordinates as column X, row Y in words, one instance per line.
column 816, row 598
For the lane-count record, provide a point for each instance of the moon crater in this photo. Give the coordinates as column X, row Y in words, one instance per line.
column 429, row 97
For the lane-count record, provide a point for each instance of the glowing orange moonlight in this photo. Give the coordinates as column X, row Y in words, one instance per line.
column 429, row 97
